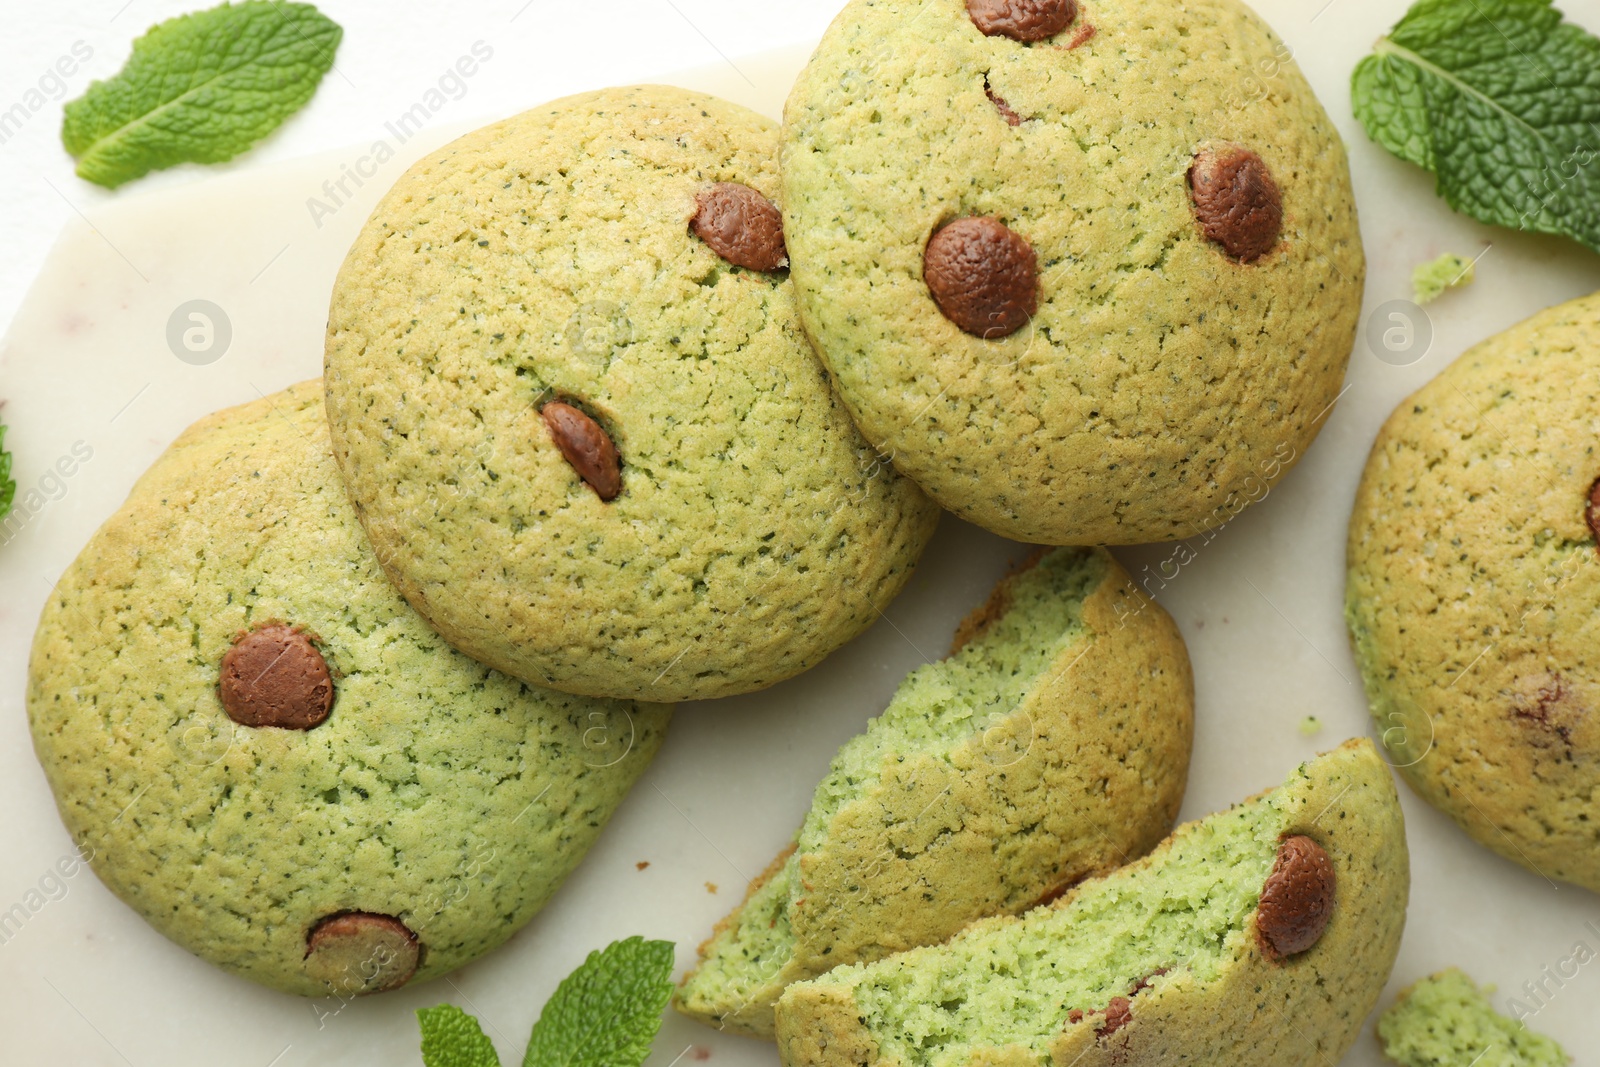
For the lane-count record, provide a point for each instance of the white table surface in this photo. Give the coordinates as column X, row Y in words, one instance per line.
column 393, row 51
column 86, row 982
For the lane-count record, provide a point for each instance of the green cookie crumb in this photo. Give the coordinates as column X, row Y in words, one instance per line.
column 1449, row 271
column 1310, row 726
column 1447, row 1021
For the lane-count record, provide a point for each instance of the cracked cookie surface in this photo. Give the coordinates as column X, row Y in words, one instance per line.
column 1159, row 375
column 551, row 257
column 420, row 823
column 1471, row 590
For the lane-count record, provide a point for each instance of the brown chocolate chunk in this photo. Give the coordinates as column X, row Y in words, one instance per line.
column 1118, row 1012
column 1297, row 900
column 274, row 676
column 741, row 226
column 586, row 446
column 1082, row 36
column 1000, row 105
column 1591, row 514
column 983, row 276
column 1022, row 20
column 1236, row 201
column 356, row 952
column 1144, row 983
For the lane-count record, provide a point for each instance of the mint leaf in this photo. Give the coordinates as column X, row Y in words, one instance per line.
column 452, row 1038
column 605, row 1013
column 1501, row 100
column 8, row 487
column 200, row 88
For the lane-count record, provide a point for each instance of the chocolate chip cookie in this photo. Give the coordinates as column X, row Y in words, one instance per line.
column 1081, row 270
column 271, row 757
column 579, row 418
column 1472, row 585
column 1259, row 936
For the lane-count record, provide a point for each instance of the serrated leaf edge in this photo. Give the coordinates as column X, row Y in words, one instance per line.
column 109, row 140
column 1386, row 46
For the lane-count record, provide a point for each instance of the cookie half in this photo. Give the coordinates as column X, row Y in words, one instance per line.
column 1088, row 272
column 266, row 753
column 1471, row 591
column 1261, row 935
column 580, row 421
column 1052, row 744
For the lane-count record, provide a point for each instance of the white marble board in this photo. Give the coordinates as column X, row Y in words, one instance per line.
column 85, row 982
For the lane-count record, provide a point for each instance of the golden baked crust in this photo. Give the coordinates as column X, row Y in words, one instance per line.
column 1161, row 381
column 437, row 792
column 1471, row 592
column 1247, row 1011
column 1080, row 769
column 550, row 256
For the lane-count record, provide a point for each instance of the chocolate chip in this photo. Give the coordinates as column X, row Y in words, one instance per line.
column 1297, row 900
column 1591, row 514
column 586, row 446
column 1022, row 20
column 1000, row 105
column 984, row 277
column 1118, row 1012
column 357, row 952
column 1082, row 36
column 741, row 226
column 1236, row 201
column 1144, row 983
column 274, row 676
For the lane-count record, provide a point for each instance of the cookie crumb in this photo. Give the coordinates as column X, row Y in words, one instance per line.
column 1450, row 271
column 641, row 865
column 711, row 887
column 1310, row 726
column 1445, row 1018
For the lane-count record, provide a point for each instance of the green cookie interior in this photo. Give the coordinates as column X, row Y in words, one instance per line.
column 935, row 708
column 1014, row 985
column 1445, row 1020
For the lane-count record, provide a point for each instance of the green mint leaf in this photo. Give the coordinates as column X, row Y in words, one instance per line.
column 8, row 487
column 605, row 1013
column 1501, row 100
column 200, row 88
column 452, row 1038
